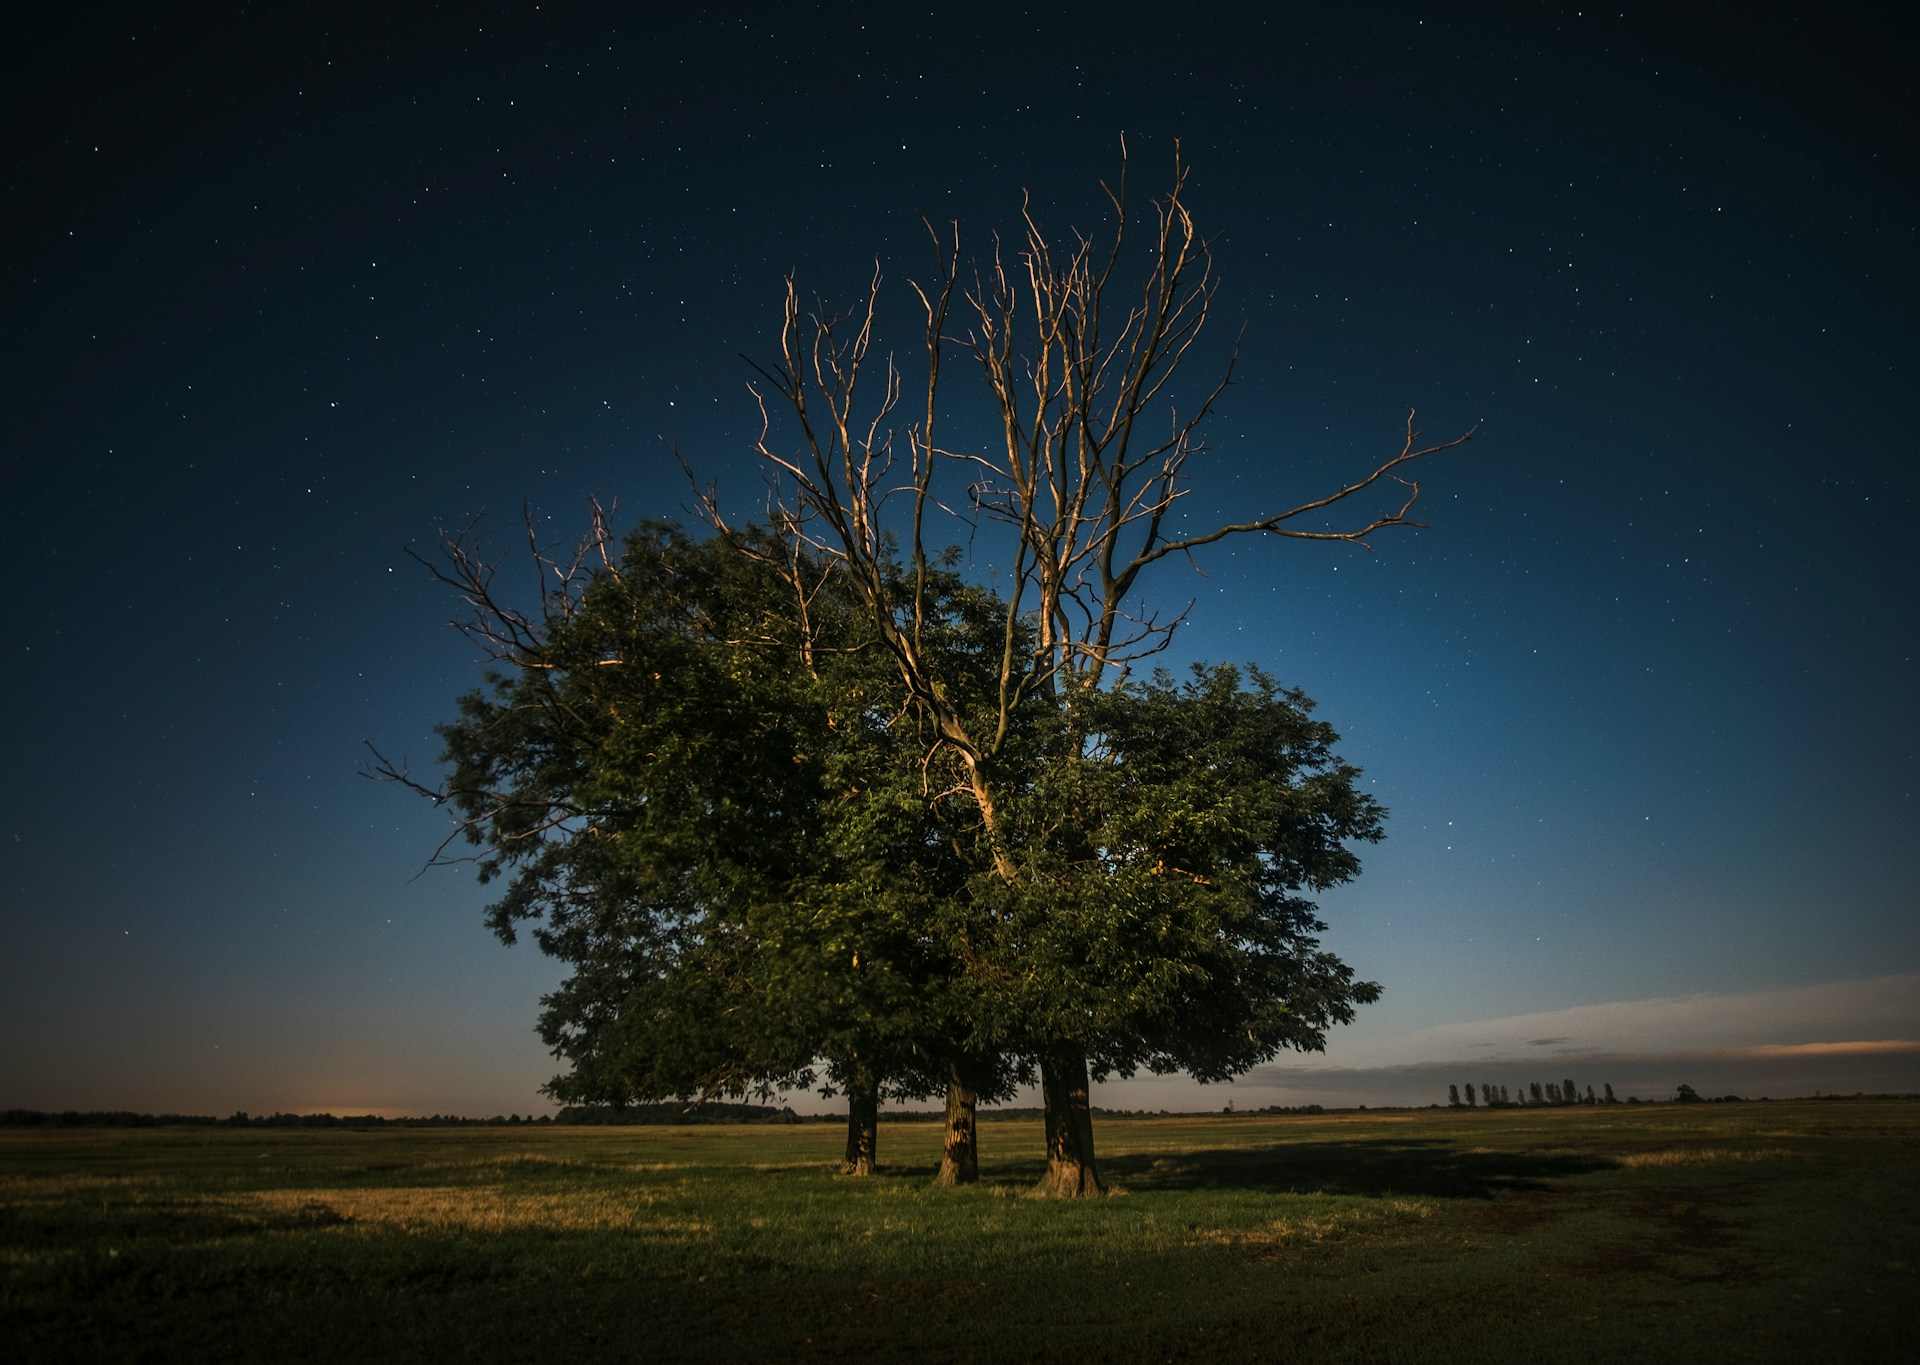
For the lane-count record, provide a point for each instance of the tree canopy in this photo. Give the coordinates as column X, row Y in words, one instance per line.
column 1163, row 912
column 697, row 798
column 700, row 800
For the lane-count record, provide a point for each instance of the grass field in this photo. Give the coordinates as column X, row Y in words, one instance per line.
column 1784, row 1231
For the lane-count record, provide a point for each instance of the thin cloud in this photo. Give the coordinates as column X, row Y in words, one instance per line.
column 1832, row 1037
column 1878, row 1008
column 1862, row 1048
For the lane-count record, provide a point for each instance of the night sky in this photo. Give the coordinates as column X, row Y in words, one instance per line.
column 290, row 295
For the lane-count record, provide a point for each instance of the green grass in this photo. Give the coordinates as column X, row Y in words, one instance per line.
column 1785, row 1231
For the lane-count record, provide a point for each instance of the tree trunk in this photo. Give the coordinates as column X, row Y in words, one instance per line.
column 863, row 1125
column 1064, row 1086
column 960, row 1161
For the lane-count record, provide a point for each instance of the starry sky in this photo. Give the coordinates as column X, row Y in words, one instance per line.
column 291, row 294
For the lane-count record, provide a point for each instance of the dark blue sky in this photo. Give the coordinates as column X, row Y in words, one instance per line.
column 290, row 294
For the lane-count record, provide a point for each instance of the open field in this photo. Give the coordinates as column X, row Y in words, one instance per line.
column 1784, row 1231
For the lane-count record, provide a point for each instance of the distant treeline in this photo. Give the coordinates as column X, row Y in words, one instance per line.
column 708, row 1111
column 1528, row 1096
column 711, row 1112
column 122, row 1118
column 582, row 1115
column 1566, row 1092
column 641, row 1113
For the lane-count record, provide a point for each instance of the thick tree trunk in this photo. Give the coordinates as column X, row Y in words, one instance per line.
column 863, row 1125
column 960, row 1161
column 1064, row 1087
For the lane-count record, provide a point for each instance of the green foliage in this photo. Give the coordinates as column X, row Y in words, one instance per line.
column 1166, row 849
column 708, row 803
column 730, row 843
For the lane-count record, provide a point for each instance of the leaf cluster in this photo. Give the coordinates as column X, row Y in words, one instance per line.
column 706, row 805
column 1171, row 848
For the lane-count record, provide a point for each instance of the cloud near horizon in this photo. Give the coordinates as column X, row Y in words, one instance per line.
column 1861, row 1048
column 1827, row 1013
column 1833, row 1036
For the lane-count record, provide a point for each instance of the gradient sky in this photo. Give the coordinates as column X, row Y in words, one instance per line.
column 291, row 294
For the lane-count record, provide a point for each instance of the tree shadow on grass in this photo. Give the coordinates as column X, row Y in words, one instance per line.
column 170, row 1221
column 1431, row 1167
column 1369, row 1166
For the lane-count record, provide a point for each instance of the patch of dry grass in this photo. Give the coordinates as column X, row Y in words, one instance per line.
column 1320, row 1229
column 16, row 1189
column 438, row 1208
column 1704, row 1156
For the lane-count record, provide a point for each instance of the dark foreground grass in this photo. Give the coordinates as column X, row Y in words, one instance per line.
column 1725, row 1232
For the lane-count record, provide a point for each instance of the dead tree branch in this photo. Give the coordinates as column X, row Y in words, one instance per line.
column 1079, row 367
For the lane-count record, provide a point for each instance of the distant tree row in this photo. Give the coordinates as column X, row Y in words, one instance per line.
column 596, row 1115
column 711, row 1112
column 1496, row 1096
column 125, row 1118
column 1531, row 1095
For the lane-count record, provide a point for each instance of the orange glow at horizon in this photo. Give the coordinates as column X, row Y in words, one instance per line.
column 1861, row 1048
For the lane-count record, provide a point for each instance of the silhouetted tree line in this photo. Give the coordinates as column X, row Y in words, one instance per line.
column 575, row 1116
column 1533, row 1094
column 123, row 1118
column 710, row 1111
column 571, row 1116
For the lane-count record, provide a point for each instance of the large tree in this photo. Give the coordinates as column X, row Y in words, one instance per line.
column 691, row 775
column 920, row 830
column 1163, row 917
column 1076, row 481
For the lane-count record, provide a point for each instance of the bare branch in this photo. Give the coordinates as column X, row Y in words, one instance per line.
column 1079, row 365
column 1276, row 522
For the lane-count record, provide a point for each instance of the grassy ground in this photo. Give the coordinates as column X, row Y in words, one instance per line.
column 1784, row 1231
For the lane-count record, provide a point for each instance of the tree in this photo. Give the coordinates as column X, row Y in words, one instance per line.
column 699, row 803
column 1570, row 1091
column 1610, row 1099
column 1172, row 914
column 1538, row 1098
column 1470, row 1099
column 1686, row 1094
column 1453, row 1096
column 1088, row 458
